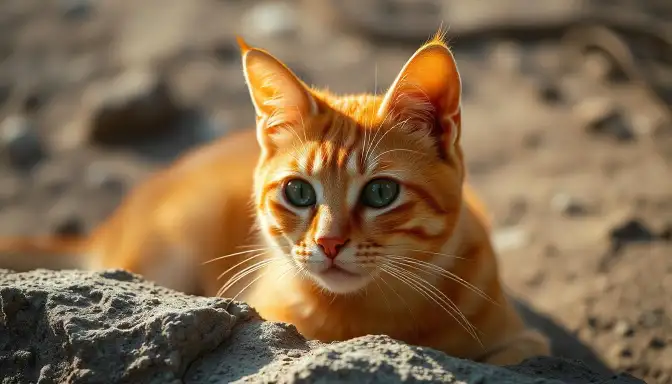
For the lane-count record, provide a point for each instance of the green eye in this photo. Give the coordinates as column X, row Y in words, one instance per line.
column 379, row 193
column 300, row 193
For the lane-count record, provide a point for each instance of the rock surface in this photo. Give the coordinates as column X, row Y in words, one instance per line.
column 85, row 327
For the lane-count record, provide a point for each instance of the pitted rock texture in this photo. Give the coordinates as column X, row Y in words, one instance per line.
column 113, row 327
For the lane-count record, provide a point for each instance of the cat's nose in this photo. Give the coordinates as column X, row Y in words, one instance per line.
column 331, row 245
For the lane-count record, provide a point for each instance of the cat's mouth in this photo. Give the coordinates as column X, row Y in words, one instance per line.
column 336, row 270
column 338, row 279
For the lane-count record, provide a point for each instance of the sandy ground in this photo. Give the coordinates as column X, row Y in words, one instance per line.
column 573, row 160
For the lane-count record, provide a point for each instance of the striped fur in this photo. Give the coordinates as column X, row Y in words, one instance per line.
column 218, row 222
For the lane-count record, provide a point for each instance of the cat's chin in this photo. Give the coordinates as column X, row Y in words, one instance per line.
column 340, row 281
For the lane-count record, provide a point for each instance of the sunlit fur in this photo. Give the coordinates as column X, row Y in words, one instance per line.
column 217, row 222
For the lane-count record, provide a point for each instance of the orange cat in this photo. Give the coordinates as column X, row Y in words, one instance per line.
column 359, row 205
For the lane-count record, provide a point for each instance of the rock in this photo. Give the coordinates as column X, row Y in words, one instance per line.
column 517, row 210
column 68, row 225
column 268, row 19
column 632, row 231
column 52, row 177
column 623, row 328
column 509, row 238
column 657, row 343
column 666, row 233
column 33, row 101
column 549, row 90
column 601, row 116
column 10, row 189
column 5, row 92
column 506, row 56
column 652, row 318
column 597, row 65
column 20, row 143
column 75, row 9
column 134, row 106
column 77, row 327
column 533, row 140
column 99, row 175
column 63, row 219
column 568, row 205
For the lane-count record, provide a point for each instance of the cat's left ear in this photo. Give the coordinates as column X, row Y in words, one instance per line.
column 427, row 93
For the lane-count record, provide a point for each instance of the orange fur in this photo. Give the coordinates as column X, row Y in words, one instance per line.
column 420, row 269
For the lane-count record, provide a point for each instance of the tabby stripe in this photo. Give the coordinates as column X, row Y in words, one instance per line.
column 279, row 209
column 426, row 197
column 418, row 232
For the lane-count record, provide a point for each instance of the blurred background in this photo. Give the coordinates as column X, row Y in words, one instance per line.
column 567, row 126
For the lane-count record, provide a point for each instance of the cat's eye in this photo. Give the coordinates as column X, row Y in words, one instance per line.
column 379, row 193
column 300, row 193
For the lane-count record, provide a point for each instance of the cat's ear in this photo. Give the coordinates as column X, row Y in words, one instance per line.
column 427, row 93
column 278, row 95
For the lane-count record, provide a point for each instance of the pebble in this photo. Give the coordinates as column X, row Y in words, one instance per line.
column 75, row 9
column 70, row 225
column 517, row 210
column 666, row 233
column 623, row 329
column 599, row 66
column 620, row 351
column 657, row 343
column 506, row 56
column 510, row 238
column 54, row 178
column 5, row 92
column 652, row 318
column 550, row 91
column 135, row 105
column 20, row 142
column 601, row 116
column 10, row 188
column 271, row 19
column 632, row 231
column 568, row 205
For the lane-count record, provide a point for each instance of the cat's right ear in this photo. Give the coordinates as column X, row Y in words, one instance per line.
column 279, row 97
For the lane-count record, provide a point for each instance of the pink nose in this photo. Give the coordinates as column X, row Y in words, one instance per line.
column 331, row 245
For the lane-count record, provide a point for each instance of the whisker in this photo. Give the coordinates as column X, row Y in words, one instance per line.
column 263, row 245
column 445, row 273
column 397, row 150
column 244, row 273
column 445, row 299
column 247, row 286
column 427, row 252
column 432, row 293
column 401, row 123
column 234, row 254
column 408, row 307
column 242, row 262
column 387, row 303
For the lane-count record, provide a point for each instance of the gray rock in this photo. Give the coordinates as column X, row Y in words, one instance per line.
column 113, row 327
column 20, row 143
column 136, row 105
column 274, row 18
column 601, row 116
column 569, row 205
column 75, row 9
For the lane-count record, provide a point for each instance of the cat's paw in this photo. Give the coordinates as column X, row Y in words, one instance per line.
column 528, row 343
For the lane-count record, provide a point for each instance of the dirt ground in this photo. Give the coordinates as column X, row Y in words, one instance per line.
column 571, row 149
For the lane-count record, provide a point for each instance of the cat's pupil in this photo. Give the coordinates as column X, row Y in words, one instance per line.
column 380, row 193
column 300, row 193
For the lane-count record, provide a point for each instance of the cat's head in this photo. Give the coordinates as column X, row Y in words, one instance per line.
column 354, row 187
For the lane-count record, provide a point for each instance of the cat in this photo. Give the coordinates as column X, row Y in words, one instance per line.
column 343, row 215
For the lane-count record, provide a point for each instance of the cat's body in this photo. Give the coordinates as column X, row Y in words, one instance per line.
column 350, row 213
